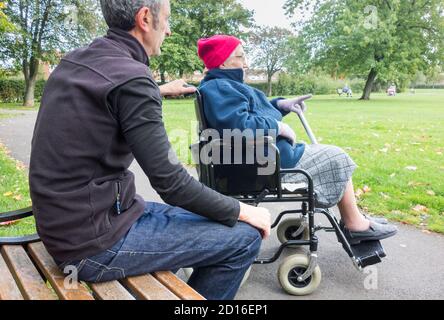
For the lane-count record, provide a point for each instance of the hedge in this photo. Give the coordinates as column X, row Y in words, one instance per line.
column 13, row 91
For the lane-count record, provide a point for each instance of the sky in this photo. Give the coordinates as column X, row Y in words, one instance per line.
column 268, row 12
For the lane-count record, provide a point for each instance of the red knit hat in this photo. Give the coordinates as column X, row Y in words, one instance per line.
column 215, row 51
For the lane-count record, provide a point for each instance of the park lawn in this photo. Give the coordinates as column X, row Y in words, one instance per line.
column 397, row 142
column 14, row 194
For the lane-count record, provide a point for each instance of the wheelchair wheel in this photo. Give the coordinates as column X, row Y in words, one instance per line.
column 287, row 229
column 189, row 271
column 293, row 267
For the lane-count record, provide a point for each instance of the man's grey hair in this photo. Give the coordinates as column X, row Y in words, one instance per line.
column 122, row 13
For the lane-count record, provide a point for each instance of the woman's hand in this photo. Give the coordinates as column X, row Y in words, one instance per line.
column 287, row 132
column 294, row 105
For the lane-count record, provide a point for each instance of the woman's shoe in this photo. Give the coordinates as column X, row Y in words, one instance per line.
column 376, row 231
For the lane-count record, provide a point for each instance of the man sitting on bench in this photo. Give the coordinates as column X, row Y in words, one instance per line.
column 101, row 108
column 231, row 104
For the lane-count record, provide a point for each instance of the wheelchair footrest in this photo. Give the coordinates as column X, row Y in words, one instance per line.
column 368, row 253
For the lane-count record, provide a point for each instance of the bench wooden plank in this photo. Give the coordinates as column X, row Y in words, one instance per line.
column 146, row 287
column 111, row 290
column 55, row 276
column 177, row 286
column 8, row 287
column 28, row 279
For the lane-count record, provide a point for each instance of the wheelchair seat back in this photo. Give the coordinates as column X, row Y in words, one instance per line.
column 231, row 169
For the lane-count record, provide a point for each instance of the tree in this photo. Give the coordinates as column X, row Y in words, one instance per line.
column 5, row 24
column 195, row 19
column 271, row 49
column 385, row 39
column 44, row 29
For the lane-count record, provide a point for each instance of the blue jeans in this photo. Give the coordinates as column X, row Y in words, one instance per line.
column 170, row 238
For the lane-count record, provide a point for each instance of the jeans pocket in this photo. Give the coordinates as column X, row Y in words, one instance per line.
column 110, row 274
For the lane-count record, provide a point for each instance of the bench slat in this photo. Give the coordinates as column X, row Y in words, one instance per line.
column 177, row 286
column 26, row 276
column 55, row 276
column 146, row 287
column 111, row 290
column 8, row 287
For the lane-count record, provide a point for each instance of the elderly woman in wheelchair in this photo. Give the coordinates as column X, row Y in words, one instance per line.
column 229, row 103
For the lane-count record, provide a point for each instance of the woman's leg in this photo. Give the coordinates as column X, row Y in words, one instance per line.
column 350, row 214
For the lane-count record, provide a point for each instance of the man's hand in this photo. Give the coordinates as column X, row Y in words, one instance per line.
column 176, row 88
column 294, row 105
column 287, row 132
column 260, row 218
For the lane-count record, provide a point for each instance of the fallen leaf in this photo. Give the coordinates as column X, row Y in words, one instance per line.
column 415, row 184
column 384, row 150
column 18, row 197
column 426, row 231
column 359, row 193
column 375, row 135
column 385, row 196
column 387, row 145
column 366, row 189
column 411, row 168
column 421, row 150
column 7, row 194
column 398, row 150
column 8, row 223
column 439, row 153
column 420, row 208
column 393, row 175
column 431, row 193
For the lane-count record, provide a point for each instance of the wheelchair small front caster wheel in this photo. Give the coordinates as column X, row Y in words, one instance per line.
column 293, row 267
column 292, row 229
column 189, row 271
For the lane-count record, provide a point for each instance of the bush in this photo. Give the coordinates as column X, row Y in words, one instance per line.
column 428, row 86
column 315, row 84
column 13, row 91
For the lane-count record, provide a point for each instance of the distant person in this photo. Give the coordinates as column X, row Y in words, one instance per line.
column 391, row 91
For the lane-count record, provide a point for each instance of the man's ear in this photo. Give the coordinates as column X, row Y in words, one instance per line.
column 144, row 19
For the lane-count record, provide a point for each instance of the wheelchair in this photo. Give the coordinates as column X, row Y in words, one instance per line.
column 298, row 274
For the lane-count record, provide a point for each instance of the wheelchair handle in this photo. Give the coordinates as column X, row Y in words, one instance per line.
column 307, row 128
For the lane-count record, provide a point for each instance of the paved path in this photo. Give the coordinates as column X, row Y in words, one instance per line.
column 414, row 268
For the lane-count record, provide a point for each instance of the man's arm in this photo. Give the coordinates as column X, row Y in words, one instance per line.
column 137, row 106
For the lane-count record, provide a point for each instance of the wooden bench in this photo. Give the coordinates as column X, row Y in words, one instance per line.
column 27, row 271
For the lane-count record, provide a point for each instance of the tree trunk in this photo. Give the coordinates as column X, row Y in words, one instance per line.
column 270, row 87
column 29, row 92
column 30, row 81
column 369, row 85
column 162, row 77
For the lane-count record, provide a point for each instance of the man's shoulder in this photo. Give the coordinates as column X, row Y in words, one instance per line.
column 103, row 57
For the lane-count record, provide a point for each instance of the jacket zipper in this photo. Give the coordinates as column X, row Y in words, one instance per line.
column 118, row 198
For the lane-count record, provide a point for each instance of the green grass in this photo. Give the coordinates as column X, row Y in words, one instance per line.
column 18, row 106
column 384, row 136
column 14, row 194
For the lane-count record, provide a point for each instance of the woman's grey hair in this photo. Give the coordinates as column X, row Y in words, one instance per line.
column 122, row 13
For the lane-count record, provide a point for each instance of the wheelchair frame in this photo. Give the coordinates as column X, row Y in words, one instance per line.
column 362, row 255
